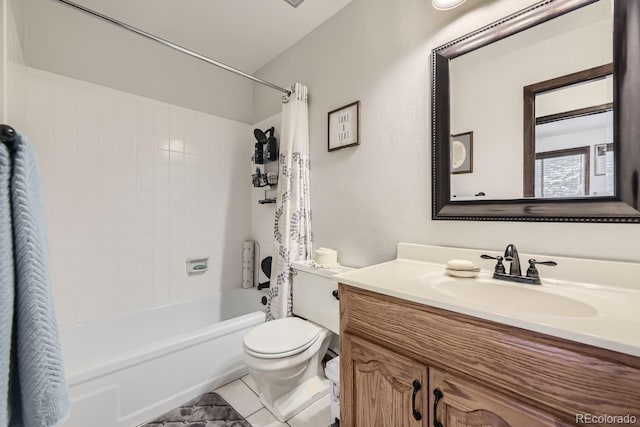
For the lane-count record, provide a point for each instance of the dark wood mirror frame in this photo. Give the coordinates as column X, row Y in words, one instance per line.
column 624, row 207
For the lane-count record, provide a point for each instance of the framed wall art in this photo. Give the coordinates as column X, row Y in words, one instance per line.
column 600, row 167
column 462, row 153
column 344, row 127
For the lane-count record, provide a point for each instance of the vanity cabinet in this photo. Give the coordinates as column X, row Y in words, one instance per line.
column 488, row 374
column 383, row 384
column 463, row 403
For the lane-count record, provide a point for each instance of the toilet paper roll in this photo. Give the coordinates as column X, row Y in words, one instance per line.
column 248, row 262
column 326, row 258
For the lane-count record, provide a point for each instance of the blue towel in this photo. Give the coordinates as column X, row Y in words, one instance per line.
column 33, row 391
column 7, row 282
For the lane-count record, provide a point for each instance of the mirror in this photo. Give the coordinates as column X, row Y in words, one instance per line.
column 568, row 136
column 531, row 119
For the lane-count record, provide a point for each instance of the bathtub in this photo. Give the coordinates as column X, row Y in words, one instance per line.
column 128, row 369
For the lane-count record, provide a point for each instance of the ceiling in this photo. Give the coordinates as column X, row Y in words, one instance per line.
column 245, row 34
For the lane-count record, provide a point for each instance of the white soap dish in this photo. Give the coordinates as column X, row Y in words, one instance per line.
column 463, row 273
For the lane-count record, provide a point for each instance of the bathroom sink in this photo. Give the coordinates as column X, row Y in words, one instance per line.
column 508, row 297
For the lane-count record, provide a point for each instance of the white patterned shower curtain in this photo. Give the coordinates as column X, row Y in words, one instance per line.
column 292, row 228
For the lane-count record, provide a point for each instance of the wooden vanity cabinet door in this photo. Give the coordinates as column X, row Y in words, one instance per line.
column 377, row 386
column 467, row 404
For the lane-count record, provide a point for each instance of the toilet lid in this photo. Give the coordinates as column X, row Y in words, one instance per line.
column 282, row 336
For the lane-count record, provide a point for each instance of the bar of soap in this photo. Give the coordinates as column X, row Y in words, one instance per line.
column 460, row 265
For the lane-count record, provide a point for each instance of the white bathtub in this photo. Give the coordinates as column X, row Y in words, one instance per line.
column 128, row 369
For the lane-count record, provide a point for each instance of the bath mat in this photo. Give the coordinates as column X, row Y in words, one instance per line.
column 208, row 410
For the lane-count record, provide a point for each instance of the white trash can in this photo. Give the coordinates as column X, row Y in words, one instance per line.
column 332, row 371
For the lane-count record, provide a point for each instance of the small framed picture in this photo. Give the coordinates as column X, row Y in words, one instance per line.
column 461, row 149
column 344, row 126
column 601, row 159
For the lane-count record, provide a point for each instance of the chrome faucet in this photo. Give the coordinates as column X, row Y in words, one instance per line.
column 511, row 255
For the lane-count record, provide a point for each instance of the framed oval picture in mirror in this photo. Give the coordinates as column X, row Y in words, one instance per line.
column 462, row 153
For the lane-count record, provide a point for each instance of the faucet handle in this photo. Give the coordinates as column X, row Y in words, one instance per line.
column 532, row 271
column 533, row 262
column 499, row 266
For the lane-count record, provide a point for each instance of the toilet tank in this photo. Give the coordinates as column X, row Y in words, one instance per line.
column 313, row 294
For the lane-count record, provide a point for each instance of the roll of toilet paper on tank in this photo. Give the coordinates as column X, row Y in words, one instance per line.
column 248, row 261
column 326, row 258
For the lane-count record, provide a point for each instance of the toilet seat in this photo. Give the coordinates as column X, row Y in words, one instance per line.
column 281, row 338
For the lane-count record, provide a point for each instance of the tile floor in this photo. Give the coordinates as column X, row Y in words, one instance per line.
column 241, row 395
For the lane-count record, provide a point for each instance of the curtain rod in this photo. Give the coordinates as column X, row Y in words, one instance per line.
column 174, row 46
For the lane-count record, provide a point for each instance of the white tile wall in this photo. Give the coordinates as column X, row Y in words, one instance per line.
column 132, row 187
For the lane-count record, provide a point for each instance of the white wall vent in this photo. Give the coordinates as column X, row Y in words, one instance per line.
column 294, row 3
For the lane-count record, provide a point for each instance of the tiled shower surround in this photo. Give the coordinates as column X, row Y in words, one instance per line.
column 132, row 187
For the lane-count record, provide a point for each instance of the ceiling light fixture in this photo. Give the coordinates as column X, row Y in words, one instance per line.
column 446, row 4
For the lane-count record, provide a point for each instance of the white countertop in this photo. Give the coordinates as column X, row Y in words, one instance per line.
column 612, row 321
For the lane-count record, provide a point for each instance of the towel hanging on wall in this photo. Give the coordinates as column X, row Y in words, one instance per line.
column 33, row 389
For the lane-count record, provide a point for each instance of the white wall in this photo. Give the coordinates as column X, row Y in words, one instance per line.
column 595, row 92
column 12, row 69
column 368, row 198
column 3, row 58
column 132, row 187
column 65, row 41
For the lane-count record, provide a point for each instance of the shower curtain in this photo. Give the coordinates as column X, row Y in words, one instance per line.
column 292, row 228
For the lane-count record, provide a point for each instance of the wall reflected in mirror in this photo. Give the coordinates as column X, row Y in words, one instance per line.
column 486, row 98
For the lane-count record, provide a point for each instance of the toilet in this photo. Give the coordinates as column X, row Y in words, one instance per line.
column 284, row 356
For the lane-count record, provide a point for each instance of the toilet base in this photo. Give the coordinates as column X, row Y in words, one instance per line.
column 301, row 397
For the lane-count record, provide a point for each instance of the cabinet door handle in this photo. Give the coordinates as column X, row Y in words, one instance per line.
column 438, row 395
column 416, row 387
column 336, row 295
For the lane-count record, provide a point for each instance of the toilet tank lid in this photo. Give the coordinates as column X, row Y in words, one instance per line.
column 307, row 266
column 281, row 336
